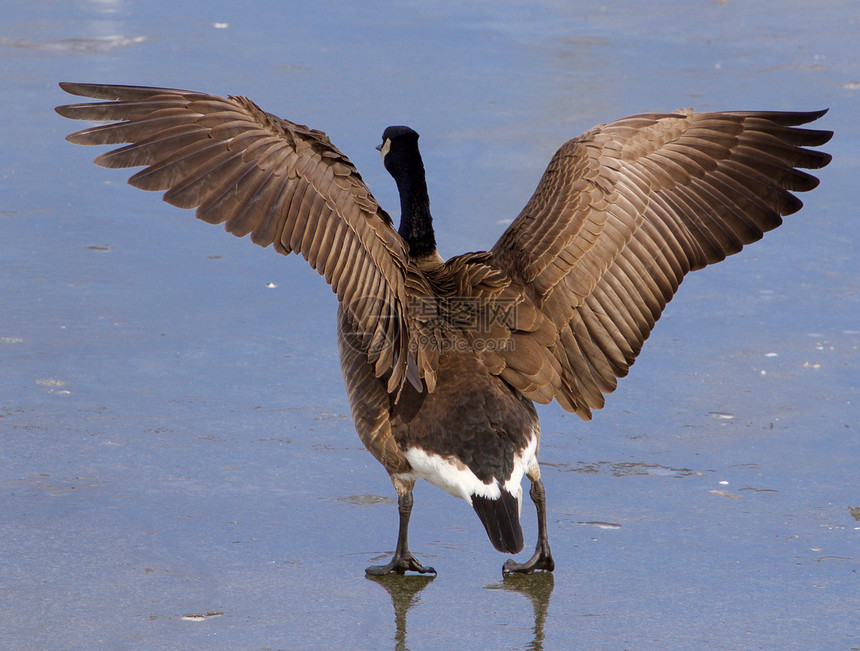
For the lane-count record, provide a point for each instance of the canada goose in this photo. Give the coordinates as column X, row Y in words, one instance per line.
column 442, row 360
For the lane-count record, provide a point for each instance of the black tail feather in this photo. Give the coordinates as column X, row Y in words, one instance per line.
column 501, row 519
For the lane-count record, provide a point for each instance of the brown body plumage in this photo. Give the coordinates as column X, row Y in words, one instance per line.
column 441, row 360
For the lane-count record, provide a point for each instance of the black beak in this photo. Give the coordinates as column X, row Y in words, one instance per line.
column 379, row 147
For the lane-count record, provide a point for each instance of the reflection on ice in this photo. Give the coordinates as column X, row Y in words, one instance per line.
column 95, row 45
column 200, row 617
column 404, row 594
column 108, row 6
column 622, row 468
column 537, row 588
column 601, row 525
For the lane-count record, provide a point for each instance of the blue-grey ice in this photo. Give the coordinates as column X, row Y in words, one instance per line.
column 176, row 451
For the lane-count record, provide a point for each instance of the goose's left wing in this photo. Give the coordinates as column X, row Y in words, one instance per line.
column 283, row 183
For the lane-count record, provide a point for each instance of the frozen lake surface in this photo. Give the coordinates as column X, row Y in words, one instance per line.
column 178, row 468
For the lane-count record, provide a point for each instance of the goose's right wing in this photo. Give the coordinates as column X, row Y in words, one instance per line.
column 620, row 216
column 283, row 183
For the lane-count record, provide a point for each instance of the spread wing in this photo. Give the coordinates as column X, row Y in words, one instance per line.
column 620, row 216
column 280, row 182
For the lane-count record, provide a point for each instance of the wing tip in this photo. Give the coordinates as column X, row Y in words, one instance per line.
column 80, row 89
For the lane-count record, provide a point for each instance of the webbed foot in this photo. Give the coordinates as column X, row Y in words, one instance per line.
column 401, row 563
column 542, row 560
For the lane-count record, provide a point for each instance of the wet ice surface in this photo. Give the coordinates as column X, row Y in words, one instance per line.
column 177, row 464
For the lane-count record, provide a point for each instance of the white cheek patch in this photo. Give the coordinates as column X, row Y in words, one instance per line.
column 455, row 478
column 386, row 147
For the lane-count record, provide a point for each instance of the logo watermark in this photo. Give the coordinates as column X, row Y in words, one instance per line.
column 445, row 324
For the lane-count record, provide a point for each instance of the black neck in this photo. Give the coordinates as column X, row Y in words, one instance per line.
column 416, row 224
column 403, row 161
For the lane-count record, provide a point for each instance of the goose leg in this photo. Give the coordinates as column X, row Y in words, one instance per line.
column 542, row 558
column 403, row 560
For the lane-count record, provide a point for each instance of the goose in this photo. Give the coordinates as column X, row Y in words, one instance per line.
column 443, row 360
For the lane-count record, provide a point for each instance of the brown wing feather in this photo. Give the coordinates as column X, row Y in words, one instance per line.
column 280, row 182
column 369, row 401
column 622, row 214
